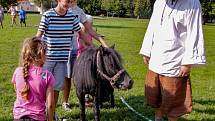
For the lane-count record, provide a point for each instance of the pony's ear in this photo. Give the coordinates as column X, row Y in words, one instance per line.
column 101, row 49
column 113, row 46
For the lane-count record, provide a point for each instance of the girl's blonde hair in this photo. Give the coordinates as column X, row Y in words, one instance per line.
column 33, row 52
column 89, row 19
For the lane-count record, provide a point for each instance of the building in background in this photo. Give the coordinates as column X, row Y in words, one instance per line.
column 27, row 6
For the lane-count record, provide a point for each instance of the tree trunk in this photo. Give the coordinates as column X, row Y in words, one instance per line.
column 132, row 8
column 41, row 7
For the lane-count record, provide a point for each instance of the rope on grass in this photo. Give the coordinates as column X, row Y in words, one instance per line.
column 132, row 109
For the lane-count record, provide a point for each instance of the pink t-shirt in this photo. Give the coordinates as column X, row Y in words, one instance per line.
column 39, row 81
column 81, row 48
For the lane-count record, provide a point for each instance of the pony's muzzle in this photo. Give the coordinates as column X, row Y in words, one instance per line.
column 130, row 84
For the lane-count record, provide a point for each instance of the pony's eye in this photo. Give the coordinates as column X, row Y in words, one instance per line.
column 111, row 65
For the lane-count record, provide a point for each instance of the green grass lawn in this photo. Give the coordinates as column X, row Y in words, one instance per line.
column 127, row 35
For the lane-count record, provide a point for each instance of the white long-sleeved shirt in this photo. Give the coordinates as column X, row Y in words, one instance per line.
column 174, row 36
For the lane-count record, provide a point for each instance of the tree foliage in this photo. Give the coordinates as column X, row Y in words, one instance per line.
column 7, row 3
column 111, row 6
column 92, row 7
column 208, row 11
column 142, row 8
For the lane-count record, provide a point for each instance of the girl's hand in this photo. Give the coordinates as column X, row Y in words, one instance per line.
column 184, row 70
column 102, row 41
column 146, row 59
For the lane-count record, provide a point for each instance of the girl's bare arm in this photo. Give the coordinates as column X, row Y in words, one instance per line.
column 50, row 103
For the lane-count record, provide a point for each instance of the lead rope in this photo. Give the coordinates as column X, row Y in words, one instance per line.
column 133, row 110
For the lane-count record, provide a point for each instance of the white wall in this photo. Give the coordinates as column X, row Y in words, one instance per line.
column 28, row 6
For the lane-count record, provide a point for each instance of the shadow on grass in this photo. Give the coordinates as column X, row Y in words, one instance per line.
column 203, row 119
column 208, row 110
column 205, row 102
column 209, row 24
column 120, row 112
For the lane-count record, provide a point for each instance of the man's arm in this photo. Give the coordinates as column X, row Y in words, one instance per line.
column 149, row 36
column 43, row 25
column 194, row 53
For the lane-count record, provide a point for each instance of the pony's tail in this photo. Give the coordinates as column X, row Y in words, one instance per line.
column 26, row 88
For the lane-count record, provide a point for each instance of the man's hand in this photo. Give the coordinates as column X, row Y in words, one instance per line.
column 146, row 59
column 184, row 70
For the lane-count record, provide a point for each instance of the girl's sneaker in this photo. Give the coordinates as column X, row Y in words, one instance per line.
column 56, row 117
column 88, row 101
column 66, row 106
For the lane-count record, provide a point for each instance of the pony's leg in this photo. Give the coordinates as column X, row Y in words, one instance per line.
column 81, row 98
column 112, row 101
column 1, row 25
column 96, row 107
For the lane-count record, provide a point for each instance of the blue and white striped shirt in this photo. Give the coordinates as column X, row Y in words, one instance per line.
column 58, row 33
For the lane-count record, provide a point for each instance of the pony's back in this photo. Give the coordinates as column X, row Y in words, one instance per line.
column 84, row 71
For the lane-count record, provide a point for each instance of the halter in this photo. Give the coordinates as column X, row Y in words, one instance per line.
column 113, row 79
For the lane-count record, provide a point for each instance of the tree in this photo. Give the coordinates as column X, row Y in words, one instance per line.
column 131, row 8
column 152, row 4
column 114, row 7
column 7, row 3
column 137, row 7
column 123, row 8
column 92, row 7
column 142, row 8
column 206, row 10
column 108, row 5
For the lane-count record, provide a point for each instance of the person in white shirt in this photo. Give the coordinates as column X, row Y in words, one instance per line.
column 88, row 26
column 13, row 13
column 173, row 43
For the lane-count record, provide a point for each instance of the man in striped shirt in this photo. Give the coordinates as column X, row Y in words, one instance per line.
column 57, row 28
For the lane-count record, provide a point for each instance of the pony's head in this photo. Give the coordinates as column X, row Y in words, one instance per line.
column 109, row 67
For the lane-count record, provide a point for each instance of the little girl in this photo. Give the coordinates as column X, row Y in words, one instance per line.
column 82, row 45
column 33, row 84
